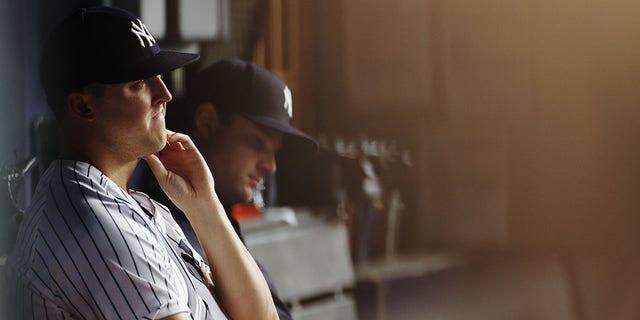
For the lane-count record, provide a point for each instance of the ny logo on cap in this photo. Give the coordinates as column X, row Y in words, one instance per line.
column 141, row 31
column 288, row 101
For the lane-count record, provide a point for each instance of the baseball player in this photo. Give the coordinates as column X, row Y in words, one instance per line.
column 239, row 117
column 89, row 247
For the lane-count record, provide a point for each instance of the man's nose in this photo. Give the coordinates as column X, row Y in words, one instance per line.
column 267, row 164
column 160, row 91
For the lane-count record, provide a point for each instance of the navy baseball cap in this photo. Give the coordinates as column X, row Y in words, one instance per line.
column 251, row 91
column 104, row 45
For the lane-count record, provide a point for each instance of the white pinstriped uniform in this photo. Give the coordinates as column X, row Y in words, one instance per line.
column 88, row 250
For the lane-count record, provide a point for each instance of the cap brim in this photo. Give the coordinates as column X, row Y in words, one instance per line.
column 161, row 63
column 287, row 129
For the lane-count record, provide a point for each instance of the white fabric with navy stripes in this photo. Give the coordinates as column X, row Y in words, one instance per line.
column 87, row 250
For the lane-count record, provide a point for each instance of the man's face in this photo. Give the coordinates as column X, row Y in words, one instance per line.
column 130, row 116
column 240, row 154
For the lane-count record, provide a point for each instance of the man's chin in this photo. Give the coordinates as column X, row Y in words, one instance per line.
column 246, row 196
column 238, row 197
column 160, row 145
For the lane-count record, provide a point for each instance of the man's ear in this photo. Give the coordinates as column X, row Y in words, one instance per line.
column 78, row 106
column 205, row 119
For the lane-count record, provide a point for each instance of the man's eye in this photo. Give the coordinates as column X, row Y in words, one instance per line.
column 140, row 83
column 258, row 144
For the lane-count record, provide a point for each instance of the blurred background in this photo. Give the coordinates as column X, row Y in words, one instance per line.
column 479, row 160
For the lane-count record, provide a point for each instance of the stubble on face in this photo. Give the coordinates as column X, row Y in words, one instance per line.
column 228, row 166
column 234, row 153
column 132, row 125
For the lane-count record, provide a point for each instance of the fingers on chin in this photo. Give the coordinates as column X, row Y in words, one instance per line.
column 179, row 142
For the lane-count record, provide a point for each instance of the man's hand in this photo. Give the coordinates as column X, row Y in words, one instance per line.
column 182, row 172
column 185, row 177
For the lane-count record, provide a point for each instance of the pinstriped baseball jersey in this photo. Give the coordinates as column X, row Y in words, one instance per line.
column 88, row 250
